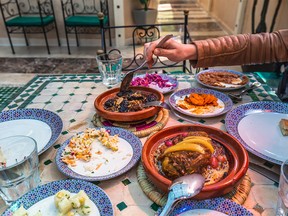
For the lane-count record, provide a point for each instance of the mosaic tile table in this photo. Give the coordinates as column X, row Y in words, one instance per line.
column 72, row 97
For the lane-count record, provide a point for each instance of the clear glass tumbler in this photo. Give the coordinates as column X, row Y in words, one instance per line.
column 282, row 204
column 18, row 167
column 110, row 67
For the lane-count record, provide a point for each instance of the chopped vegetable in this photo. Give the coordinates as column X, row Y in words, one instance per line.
column 155, row 79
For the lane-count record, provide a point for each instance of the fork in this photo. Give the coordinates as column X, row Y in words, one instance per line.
column 238, row 97
column 168, row 107
column 129, row 76
column 157, row 104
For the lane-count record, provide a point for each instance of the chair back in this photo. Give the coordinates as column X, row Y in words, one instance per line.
column 84, row 7
column 14, row 8
column 9, row 9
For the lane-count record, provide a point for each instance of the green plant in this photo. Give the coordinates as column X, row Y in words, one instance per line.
column 145, row 3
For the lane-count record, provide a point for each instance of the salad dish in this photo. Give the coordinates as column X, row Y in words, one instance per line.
column 200, row 102
column 64, row 197
column 161, row 82
column 99, row 154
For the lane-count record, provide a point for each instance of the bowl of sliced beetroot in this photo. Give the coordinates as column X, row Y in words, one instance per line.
column 164, row 83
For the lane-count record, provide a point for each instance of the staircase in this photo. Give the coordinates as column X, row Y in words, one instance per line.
column 200, row 24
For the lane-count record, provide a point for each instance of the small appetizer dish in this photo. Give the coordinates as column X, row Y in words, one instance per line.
column 200, row 102
column 222, row 79
column 161, row 82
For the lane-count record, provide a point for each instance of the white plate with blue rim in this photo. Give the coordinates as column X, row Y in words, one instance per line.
column 256, row 126
column 241, row 81
column 42, row 198
column 214, row 207
column 42, row 125
column 108, row 164
column 224, row 102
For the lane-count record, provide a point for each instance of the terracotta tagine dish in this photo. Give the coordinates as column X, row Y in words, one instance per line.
column 186, row 149
column 115, row 106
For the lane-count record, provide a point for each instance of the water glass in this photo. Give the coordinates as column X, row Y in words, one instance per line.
column 110, row 66
column 18, row 167
column 282, row 204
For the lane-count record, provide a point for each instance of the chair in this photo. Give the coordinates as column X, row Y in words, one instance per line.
column 83, row 17
column 28, row 17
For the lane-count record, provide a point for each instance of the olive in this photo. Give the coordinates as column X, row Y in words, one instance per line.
column 109, row 103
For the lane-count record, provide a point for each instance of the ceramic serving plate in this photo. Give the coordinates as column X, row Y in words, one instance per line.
column 224, row 86
column 165, row 90
column 126, row 116
column 109, row 164
column 212, row 207
column 42, row 125
column 42, row 198
column 256, row 126
column 225, row 103
column 237, row 157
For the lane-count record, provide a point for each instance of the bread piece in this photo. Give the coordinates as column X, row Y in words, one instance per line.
column 284, row 126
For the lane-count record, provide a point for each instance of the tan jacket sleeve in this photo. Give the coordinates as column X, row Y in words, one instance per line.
column 243, row 49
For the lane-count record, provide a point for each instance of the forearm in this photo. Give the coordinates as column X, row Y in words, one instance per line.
column 242, row 49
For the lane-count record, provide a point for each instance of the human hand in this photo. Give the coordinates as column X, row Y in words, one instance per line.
column 171, row 49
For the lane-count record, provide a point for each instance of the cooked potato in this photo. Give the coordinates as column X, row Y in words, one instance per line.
column 60, row 195
column 64, row 205
column 20, row 212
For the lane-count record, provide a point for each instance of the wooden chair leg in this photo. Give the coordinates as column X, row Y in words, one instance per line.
column 46, row 40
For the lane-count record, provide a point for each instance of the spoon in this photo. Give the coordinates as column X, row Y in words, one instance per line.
column 238, row 97
column 183, row 188
column 129, row 76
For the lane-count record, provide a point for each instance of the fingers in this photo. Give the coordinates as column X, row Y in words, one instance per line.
column 148, row 54
column 150, row 49
column 168, row 53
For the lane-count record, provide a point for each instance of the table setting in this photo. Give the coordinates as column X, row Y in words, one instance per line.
column 102, row 152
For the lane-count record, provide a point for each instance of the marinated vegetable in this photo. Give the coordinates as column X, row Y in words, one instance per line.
column 193, row 152
column 129, row 102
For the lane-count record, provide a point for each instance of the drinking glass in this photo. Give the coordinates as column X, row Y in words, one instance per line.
column 110, row 66
column 282, row 204
column 18, row 167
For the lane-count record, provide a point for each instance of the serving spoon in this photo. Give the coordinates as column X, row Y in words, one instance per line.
column 129, row 75
column 238, row 97
column 183, row 188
